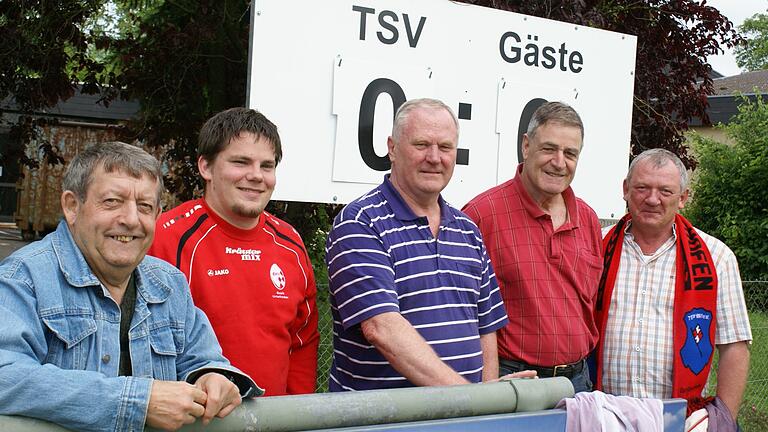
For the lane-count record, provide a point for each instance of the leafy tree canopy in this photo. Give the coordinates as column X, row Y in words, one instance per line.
column 752, row 55
column 47, row 49
column 729, row 188
column 184, row 61
column 44, row 47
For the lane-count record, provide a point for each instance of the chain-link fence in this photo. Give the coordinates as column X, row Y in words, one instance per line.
column 325, row 351
column 754, row 412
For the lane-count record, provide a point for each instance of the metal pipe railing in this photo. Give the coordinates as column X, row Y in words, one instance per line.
column 346, row 409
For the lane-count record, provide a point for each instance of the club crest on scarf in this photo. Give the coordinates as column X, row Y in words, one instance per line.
column 698, row 347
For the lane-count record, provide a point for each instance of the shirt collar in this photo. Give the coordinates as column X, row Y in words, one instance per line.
column 533, row 208
column 629, row 225
column 72, row 263
column 671, row 241
column 77, row 272
column 230, row 229
column 403, row 212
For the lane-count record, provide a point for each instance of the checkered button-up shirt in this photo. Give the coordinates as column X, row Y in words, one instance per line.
column 637, row 355
column 548, row 277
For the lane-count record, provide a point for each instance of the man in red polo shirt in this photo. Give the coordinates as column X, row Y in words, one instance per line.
column 545, row 246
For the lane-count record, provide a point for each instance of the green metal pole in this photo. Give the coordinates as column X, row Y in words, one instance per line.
column 347, row 409
column 26, row 424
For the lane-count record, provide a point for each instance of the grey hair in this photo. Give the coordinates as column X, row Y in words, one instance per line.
column 659, row 157
column 405, row 110
column 112, row 156
column 555, row 112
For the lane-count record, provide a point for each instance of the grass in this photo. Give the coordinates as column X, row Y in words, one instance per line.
column 753, row 415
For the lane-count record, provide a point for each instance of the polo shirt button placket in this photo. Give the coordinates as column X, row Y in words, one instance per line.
column 436, row 247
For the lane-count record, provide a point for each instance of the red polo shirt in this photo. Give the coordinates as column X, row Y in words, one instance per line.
column 548, row 278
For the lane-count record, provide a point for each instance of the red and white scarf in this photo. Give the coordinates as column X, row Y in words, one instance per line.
column 693, row 327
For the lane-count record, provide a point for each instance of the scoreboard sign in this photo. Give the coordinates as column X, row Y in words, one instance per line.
column 331, row 74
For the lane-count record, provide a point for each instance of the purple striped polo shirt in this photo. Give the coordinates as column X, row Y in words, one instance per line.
column 383, row 258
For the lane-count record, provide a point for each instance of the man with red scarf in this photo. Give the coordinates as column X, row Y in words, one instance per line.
column 669, row 295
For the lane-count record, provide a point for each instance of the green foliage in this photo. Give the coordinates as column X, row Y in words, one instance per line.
column 729, row 188
column 43, row 47
column 47, row 49
column 185, row 61
column 753, row 54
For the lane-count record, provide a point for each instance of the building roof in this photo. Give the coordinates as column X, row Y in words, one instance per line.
column 724, row 103
column 743, row 83
column 722, row 108
column 84, row 107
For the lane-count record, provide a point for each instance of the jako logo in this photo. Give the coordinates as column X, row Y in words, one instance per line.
column 218, row 272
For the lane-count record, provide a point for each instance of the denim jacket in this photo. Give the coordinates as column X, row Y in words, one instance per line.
column 60, row 347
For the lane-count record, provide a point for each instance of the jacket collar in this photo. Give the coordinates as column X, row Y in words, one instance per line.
column 77, row 272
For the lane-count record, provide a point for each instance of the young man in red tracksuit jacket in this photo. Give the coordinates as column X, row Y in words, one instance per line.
column 248, row 270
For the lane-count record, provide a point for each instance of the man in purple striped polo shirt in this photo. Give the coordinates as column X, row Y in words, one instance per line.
column 413, row 295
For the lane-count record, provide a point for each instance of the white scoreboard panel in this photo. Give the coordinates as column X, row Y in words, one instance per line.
column 331, row 73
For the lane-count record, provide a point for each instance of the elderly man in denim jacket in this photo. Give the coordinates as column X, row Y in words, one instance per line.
column 93, row 334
